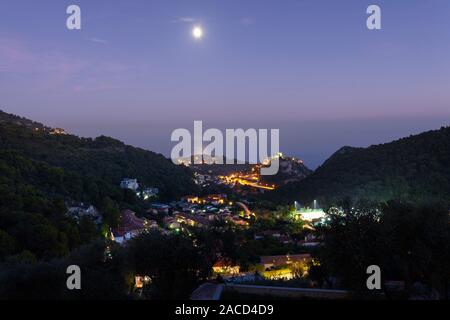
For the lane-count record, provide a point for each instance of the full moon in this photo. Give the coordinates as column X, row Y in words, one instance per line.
column 197, row 32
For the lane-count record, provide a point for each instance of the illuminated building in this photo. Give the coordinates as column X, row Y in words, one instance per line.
column 226, row 267
column 130, row 227
column 128, row 183
column 308, row 214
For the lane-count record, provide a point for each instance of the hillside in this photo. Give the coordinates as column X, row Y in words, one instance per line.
column 102, row 158
column 291, row 170
column 416, row 168
column 209, row 167
column 41, row 169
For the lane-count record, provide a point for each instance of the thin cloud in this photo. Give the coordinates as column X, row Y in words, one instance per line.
column 56, row 71
column 98, row 40
column 184, row 20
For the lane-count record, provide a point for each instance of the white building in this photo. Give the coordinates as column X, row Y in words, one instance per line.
column 79, row 210
column 130, row 227
column 148, row 193
column 131, row 184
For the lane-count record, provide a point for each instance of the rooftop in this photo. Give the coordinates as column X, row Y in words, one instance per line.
column 129, row 223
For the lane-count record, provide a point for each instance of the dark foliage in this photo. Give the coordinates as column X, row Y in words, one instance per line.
column 40, row 172
column 415, row 169
column 101, row 278
column 409, row 243
column 174, row 264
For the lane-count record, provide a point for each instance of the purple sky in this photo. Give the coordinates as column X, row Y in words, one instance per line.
column 310, row 68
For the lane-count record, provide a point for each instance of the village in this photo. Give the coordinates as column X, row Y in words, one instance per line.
column 284, row 249
column 273, row 250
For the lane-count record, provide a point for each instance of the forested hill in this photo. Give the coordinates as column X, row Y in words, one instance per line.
column 42, row 169
column 416, row 168
column 84, row 167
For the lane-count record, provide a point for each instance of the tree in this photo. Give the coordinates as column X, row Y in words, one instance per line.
column 7, row 244
column 172, row 262
column 408, row 242
column 88, row 230
column 110, row 212
column 352, row 243
column 417, row 243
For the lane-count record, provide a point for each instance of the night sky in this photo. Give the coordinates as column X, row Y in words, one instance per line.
column 310, row 68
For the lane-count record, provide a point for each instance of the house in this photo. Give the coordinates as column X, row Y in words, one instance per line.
column 79, row 210
column 216, row 199
column 141, row 281
column 284, row 260
column 212, row 216
column 57, row 131
column 130, row 227
column 148, row 193
column 191, row 199
column 128, row 183
column 311, row 240
column 191, row 220
column 160, row 208
column 200, row 179
column 171, row 223
column 225, row 266
column 285, row 267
